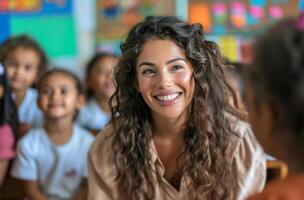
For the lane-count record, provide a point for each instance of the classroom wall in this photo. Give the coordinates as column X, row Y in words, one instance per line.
column 71, row 30
column 64, row 28
column 234, row 24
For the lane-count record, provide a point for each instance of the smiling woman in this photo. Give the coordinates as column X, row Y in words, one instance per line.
column 165, row 79
column 173, row 134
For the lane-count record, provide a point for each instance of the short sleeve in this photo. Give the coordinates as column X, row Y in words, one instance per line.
column 24, row 166
column 6, row 142
column 248, row 164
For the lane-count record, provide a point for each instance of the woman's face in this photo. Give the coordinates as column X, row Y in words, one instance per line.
column 165, row 78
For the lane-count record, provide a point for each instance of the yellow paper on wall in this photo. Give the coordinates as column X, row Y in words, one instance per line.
column 229, row 47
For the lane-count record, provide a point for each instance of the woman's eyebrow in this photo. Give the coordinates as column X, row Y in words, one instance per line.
column 146, row 63
column 168, row 62
column 175, row 59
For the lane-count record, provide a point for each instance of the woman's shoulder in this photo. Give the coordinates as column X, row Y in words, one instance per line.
column 242, row 137
column 240, row 128
column 102, row 156
column 102, row 147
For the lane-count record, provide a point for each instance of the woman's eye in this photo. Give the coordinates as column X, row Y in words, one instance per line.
column 148, row 72
column 177, row 67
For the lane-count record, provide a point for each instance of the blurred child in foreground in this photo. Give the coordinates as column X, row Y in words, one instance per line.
column 275, row 101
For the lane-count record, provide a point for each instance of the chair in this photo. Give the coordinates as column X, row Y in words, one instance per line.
column 276, row 169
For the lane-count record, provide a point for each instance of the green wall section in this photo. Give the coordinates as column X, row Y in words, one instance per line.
column 181, row 7
column 56, row 34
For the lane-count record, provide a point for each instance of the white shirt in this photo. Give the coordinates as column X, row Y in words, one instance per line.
column 92, row 117
column 28, row 111
column 58, row 169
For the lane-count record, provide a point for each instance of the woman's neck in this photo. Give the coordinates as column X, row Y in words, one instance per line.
column 104, row 103
column 19, row 96
column 169, row 128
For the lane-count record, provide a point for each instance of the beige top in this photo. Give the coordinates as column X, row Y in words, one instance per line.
column 248, row 167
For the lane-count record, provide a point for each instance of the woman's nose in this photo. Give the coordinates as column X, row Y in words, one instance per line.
column 164, row 80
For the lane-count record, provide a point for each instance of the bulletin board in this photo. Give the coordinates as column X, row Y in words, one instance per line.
column 240, row 16
column 50, row 22
column 233, row 24
column 115, row 18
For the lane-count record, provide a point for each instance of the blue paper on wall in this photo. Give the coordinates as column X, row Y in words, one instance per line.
column 258, row 2
column 4, row 27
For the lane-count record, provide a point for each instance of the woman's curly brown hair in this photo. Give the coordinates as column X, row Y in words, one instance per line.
column 208, row 130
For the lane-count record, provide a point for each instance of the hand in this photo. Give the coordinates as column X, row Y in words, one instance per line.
column 291, row 188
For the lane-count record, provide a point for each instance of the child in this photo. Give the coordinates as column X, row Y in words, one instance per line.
column 173, row 134
column 100, row 87
column 51, row 161
column 275, row 101
column 8, row 123
column 25, row 61
column 234, row 76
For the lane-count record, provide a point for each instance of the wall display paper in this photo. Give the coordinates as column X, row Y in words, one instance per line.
column 200, row 13
column 115, row 18
column 50, row 22
column 246, row 16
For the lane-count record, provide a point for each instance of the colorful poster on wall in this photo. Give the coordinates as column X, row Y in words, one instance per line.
column 115, row 18
column 50, row 22
column 200, row 13
column 275, row 12
column 247, row 16
column 229, row 47
column 35, row 7
column 238, row 15
column 220, row 17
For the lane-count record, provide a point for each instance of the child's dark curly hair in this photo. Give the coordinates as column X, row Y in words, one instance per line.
column 277, row 72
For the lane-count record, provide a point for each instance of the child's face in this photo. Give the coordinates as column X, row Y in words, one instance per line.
column 100, row 79
column 58, row 96
column 165, row 78
column 22, row 68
